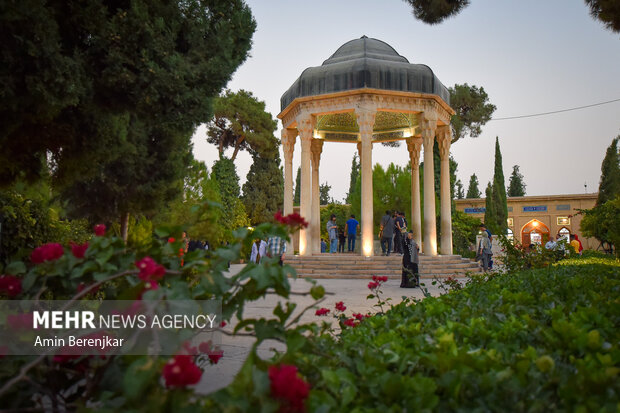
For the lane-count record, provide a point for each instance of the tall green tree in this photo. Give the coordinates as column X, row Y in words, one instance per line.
column 472, row 189
column 355, row 173
column 436, row 11
column 263, row 191
column 76, row 77
column 516, row 186
column 241, row 122
column 460, row 193
column 146, row 173
column 499, row 192
column 609, row 186
column 297, row 196
column 490, row 214
column 324, row 189
column 473, row 110
column 234, row 214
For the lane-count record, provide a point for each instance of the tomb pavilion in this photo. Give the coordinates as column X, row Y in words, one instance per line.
column 366, row 93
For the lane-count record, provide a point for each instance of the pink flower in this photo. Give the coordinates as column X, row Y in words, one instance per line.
column 11, row 285
column 340, row 306
column 288, row 387
column 292, row 220
column 181, row 371
column 358, row 316
column 19, row 321
column 322, row 311
column 47, row 252
column 373, row 285
column 215, row 356
column 205, row 347
column 380, row 279
column 149, row 269
column 171, row 240
column 78, row 251
column 99, row 230
column 350, row 322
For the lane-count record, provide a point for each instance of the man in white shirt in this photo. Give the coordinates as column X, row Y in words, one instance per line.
column 551, row 244
column 259, row 248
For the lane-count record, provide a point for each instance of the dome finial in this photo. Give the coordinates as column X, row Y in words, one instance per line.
column 364, row 37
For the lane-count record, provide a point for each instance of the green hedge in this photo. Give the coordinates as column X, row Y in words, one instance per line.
column 537, row 340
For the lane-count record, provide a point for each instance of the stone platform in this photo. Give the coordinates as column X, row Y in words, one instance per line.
column 356, row 266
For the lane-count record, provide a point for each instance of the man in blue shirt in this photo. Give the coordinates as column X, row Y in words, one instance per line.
column 350, row 228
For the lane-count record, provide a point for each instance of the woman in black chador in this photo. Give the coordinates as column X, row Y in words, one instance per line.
column 411, row 278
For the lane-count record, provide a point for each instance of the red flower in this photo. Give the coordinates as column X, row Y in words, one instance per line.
column 181, row 371
column 373, row 285
column 10, row 285
column 215, row 356
column 99, row 230
column 189, row 349
column 358, row 316
column 322, row 311
column 292, row 220
column 78, row 251
column 340, row 306
column 205, row 347
column 380, row 279
column 171, row 240
column 47, row 252
column 288, row 387
column 223, row 324
column 149, row 269
column 350, row 322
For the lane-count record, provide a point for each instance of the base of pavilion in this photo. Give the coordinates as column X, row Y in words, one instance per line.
column 349, row 265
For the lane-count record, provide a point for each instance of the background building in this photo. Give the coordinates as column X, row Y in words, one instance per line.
column 534, row 218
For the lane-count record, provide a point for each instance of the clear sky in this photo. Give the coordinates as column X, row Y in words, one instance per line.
column 530, row 56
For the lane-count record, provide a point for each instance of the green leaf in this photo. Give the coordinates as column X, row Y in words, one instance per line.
column 317, row 292
column 140, row 374
column 15, row 268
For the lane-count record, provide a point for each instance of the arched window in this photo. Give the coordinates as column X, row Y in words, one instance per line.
column 564, row 234
column 510, row 235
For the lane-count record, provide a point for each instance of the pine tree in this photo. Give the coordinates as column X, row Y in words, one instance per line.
column 516, row 186
column 499, row 192
column 609, row 186
column 472, row 189
column 490, row 216
column 297, row 197
column 263, row 191
column 355, row 173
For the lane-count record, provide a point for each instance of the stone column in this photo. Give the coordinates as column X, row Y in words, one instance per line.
column 428, row 125
column 366, row 120
column 315, row 222
column 288, row 148
column 305, row 127
column 444, row 138
column 414, row 145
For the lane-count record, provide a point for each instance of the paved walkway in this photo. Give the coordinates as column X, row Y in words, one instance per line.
column 351, row 292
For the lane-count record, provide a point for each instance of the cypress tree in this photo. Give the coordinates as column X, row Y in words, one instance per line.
column 490, row 216
column 472, row 189
column 499, row 192
column 355, row 173
column 460, row 193
column 297, row 197
column 225, row 174
column 263, row 191
column 516, row 186
column 609, row 186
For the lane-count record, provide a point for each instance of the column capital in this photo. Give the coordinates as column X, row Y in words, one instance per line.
column 288, row 142
column 414, row 146
column 428, row 127
column 316, row 148
column 305, row 126
column 444, row 139
column 365, row 116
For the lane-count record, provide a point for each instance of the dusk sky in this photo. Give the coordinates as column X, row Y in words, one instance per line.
column 530, row 56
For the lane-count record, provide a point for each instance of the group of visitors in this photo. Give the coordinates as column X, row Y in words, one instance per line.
column 392, row 232
column 337, row 237
column 273, row 247
column 484, row 252
column 559, row 245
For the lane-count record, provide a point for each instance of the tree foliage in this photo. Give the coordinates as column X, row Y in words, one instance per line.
column 76, row 76
column 516, row 186
column 609, row 186
column 603, row 223
column 472, row 189
column 499, row 192
column 263, row 191
column 460, row 192
column 490, row 214
column 355, row 173
column 324, row 197
column 436, row 11
column 297, row 195
column 473, row 110
column 234, row 213
column 241, row 122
